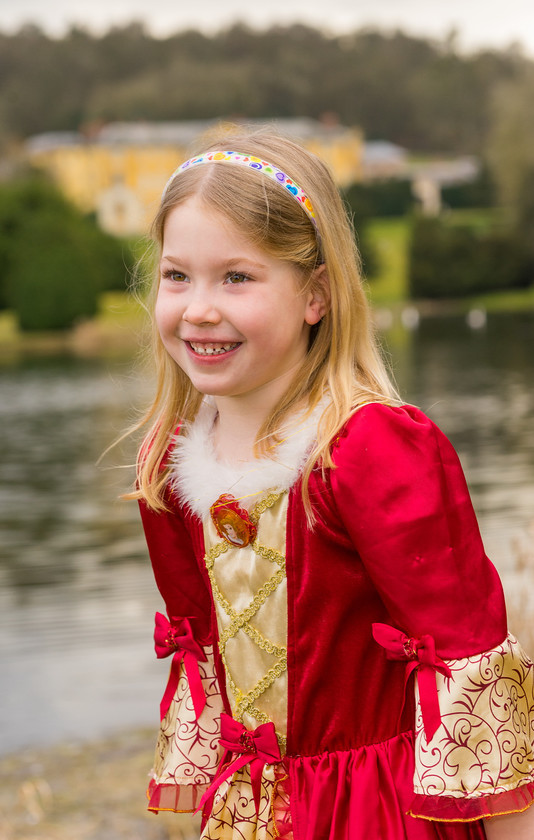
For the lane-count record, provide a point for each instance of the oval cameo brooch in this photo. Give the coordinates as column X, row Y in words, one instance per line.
column 232, row 522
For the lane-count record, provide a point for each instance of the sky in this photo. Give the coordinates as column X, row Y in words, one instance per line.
column 479, row 23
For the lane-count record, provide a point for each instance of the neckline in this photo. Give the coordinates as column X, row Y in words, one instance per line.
column 199, row 477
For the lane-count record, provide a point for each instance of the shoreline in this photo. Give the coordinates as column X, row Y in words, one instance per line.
column 86, row 791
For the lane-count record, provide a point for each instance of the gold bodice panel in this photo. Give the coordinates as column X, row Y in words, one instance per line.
column 250, row 593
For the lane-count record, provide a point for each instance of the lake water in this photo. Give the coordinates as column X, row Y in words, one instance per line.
column 77, row 598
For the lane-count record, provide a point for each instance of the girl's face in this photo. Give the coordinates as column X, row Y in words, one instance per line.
column 231, row 316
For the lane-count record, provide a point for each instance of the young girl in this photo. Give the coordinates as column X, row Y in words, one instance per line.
column 341, row 668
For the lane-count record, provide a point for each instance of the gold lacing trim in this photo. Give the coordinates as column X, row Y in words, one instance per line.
column 274, row 794
column 263, row 504
column 245, row 701
column 470, row 819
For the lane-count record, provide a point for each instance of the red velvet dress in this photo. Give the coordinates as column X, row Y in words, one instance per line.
column 410, row 712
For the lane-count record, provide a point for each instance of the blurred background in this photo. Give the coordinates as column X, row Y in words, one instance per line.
column 425, row 114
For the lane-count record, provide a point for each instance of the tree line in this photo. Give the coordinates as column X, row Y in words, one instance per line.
column 425, row 95
column 420, row 93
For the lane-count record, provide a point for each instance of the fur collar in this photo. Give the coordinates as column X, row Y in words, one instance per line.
column 199, row 478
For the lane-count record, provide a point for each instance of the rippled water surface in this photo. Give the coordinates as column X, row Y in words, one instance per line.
column 76, row 593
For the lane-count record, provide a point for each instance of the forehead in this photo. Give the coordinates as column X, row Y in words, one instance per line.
column 194, row 225
column 195, row 213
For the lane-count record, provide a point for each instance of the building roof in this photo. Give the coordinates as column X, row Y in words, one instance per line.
column 382, row 151
column 179, row 133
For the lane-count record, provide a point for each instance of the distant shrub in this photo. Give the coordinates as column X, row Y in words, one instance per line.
column 385, row 198
column 53, row 281
column 54, row 261
column 449, row 261
column 18, row 201
column 478, row 193
column 113, row 258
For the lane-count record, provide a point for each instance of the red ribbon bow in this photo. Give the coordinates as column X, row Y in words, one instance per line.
column 178, row 639
column 256, row 747
column 421, row 656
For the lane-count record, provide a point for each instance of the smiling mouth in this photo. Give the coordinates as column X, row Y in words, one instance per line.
column 212, row 349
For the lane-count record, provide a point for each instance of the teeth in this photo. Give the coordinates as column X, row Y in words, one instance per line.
column 212, row 349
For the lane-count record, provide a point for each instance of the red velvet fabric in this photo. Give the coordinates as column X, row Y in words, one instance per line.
column 401, row 493
column 362, row 794
column 396, row 542
column 175, row 543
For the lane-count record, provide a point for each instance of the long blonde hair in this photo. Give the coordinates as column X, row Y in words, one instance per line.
column 343, row 359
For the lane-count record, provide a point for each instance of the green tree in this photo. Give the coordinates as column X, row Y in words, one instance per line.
column 54, row 262
column 19, row 200
column 525, row 215
column 413, row 91
column 52, row 283
column 510, row 149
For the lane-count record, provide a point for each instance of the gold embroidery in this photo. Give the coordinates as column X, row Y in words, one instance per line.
column 240, row 620
column 261, row 506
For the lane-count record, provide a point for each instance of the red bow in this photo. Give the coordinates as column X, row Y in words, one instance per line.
column 178, row 639
column 256, row 747
column 422, row 657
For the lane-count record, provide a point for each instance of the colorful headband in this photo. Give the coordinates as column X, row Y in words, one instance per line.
column 239, row 159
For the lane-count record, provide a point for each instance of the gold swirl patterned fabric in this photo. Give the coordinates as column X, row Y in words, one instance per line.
column 187, row 751
column 483, row 746
column 234, row 816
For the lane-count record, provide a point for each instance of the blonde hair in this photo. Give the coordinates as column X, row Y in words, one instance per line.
column 343, row 360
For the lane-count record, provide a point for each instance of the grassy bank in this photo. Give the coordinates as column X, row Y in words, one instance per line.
column 389, row 238
column 119, row 328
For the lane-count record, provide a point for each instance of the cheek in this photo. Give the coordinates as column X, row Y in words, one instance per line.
column 163, row 315
column 291, row 325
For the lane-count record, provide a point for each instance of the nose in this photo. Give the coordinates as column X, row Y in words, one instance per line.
column 201, row 309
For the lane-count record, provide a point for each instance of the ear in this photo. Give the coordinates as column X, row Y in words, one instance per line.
column 318, row 301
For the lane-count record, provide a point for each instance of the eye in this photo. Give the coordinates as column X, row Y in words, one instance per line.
column 175, row 276
column 235, row 278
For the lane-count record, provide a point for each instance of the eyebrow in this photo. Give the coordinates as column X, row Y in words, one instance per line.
column 234, row 262
column 239, row 261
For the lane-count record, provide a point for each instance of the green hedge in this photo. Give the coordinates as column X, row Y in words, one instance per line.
column 449, row 261
column 478, row 193
column 387, row 198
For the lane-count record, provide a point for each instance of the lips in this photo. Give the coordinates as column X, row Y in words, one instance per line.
column 212, row 348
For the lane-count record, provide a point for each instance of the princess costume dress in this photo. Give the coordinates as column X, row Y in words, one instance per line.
column 354, row 681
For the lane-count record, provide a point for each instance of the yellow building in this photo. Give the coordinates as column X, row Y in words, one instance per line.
column 119, row 173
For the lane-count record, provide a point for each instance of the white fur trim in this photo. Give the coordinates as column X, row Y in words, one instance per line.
column 199, row 478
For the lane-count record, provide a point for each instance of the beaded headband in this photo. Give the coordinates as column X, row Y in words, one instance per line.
column 239, row 159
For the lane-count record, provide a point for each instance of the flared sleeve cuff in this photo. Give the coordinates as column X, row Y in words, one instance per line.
column 479, row 761
column 188, row 750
